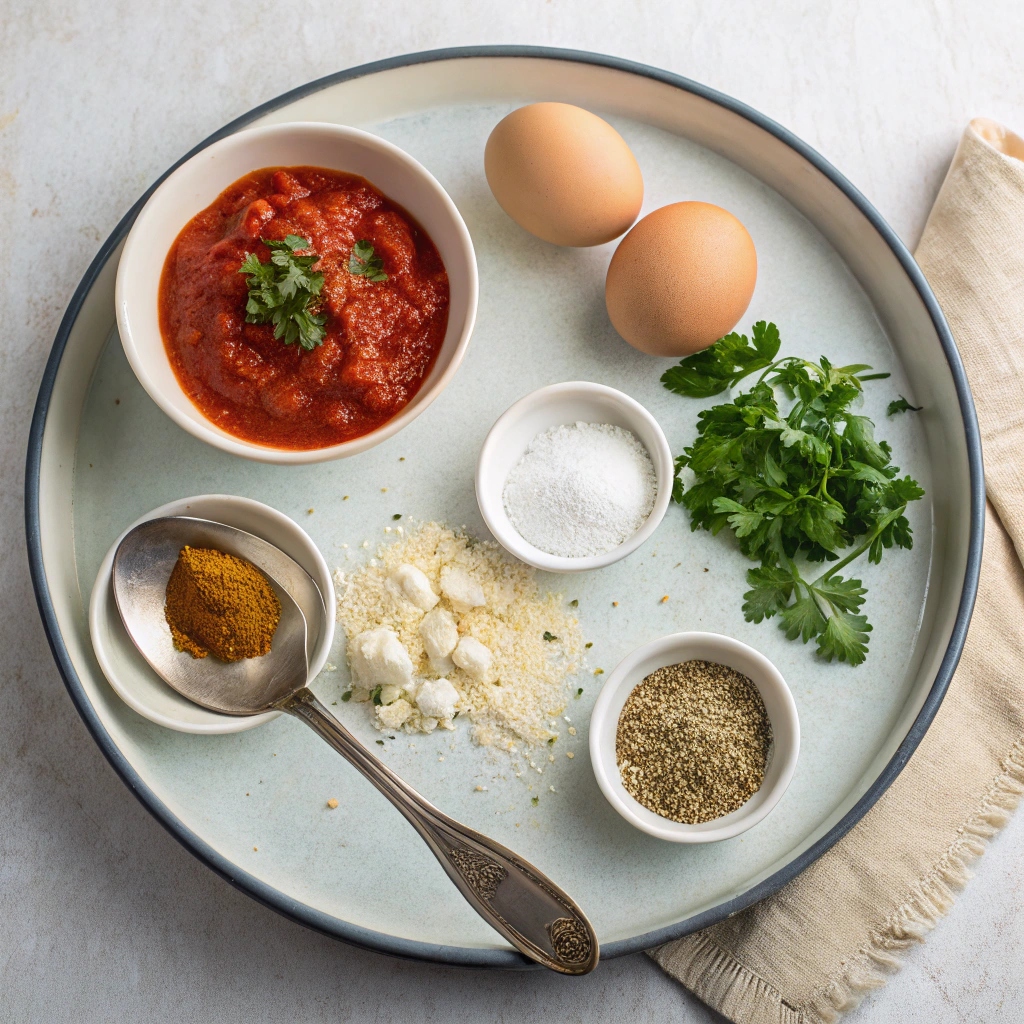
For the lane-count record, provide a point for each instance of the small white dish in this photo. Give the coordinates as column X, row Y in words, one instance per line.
column 552, row 406
column 670, row 650
column 197, row 183
column 127, row 670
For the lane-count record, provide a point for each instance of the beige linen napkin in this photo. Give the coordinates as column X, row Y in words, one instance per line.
column 808, row 953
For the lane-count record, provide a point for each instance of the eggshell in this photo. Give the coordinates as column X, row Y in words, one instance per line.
column 563, row 174
column 681, row 279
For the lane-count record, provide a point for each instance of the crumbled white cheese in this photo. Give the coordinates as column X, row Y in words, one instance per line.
column 440, row 634
column 473, row 657
column 526, row 687
column 395, row 715
column 437, row 698
column 378, row 658
column 442, row 666
column 413, row 585
column 463, row 592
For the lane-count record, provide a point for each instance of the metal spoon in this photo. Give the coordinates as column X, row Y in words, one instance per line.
column 511, row 895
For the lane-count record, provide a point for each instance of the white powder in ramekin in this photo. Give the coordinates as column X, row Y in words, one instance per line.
column 581, row 489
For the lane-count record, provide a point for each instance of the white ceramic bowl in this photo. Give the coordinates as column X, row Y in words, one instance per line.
column 670, row 650
column 571, row 402
column 198, row 182
column 128, row 672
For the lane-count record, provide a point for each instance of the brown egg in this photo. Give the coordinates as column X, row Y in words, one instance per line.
column 681, row 279
column 563, row 174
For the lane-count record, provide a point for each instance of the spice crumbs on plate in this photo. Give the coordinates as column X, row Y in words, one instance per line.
column 664, row 599
column 332, row 803
column 692, row 741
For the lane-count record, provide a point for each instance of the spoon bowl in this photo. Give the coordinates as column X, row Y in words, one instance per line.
column 142, row 567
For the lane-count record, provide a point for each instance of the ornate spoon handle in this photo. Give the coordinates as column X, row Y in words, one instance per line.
column 511, row 895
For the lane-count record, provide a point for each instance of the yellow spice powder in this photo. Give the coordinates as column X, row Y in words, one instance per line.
column 220, row 604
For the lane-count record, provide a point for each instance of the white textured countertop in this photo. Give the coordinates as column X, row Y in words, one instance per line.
column 104, row 917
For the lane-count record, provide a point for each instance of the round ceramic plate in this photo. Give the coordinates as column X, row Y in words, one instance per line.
column 833, row 277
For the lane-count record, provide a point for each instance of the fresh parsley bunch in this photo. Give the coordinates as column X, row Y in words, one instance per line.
column 796, row 488
column 285, row 292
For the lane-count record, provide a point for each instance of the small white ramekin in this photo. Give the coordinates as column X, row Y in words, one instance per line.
column 552, row 406
column 197, row 183
column 127, row 670
column 670, row 650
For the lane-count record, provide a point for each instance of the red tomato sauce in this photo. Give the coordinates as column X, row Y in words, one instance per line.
column 382, row 337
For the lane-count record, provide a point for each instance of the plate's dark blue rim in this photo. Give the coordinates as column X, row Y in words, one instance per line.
column 457, row 955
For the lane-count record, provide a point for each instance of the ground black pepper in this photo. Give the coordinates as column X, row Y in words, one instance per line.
column 692, row 741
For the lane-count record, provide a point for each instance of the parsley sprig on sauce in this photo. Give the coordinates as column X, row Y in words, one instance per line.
column 808, row 486
column 363, row 263
column 285, row 292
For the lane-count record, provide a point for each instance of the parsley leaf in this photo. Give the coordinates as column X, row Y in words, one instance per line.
column 845, row 638
column 798, row 479
column 846, row 595
column 726, row 363
column 285, row 292
column 898, row 405
column 363, row 263
column 771, row 591
column 802, row 618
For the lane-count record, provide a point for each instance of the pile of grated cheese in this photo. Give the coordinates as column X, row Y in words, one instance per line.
column 510, row 698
